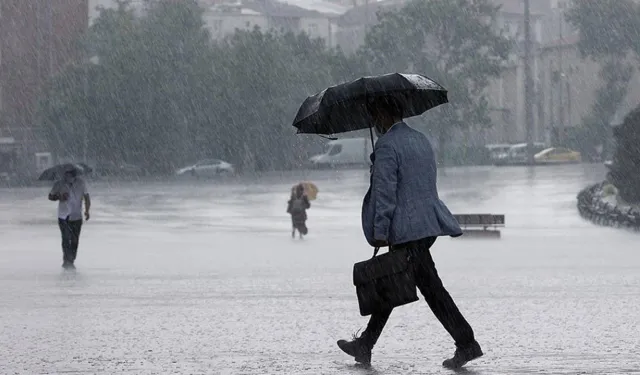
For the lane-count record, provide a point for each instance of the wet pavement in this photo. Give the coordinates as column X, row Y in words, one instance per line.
column 202, row 277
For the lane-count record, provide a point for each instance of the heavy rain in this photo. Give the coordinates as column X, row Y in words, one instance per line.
column 198, row 186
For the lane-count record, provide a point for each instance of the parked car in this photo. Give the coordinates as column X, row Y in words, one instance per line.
column 208, row 168
column 497, row 150
column 344, row 152
column 557, row 155
column 517, row 154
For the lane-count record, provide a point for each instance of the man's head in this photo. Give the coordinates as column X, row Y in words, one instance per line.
column 384, row 112
column 70, row 174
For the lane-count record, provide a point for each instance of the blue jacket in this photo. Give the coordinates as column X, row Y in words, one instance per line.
column 402, row 203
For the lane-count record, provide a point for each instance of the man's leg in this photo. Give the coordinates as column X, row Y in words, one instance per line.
column 75, row 227
column 293, row 227
column 360, row 347
column 443, row 306
column 374, row 329
column 66, row 235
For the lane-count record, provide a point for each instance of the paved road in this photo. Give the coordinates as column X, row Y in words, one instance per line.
column 203, row 278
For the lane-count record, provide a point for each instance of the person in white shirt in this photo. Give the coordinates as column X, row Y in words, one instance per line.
column 70, row 191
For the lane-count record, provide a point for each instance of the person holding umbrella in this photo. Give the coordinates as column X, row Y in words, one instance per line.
column 70, row 191
column 297, row 207
column 401, row 209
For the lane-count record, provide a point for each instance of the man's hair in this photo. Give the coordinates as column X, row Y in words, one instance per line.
column 71, row 171
column 388, row 104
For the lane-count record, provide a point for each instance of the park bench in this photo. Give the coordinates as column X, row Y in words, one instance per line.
column 481, row 224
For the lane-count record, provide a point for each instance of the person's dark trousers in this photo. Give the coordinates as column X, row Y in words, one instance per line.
column 439, row 300
column 70, row 230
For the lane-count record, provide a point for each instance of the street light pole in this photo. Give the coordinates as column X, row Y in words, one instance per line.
column 528, row 82
column 85, row 143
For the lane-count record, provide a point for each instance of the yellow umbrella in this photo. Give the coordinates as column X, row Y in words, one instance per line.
column 310, row 189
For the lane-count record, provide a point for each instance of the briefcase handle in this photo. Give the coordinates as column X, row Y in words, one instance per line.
column 375, row 252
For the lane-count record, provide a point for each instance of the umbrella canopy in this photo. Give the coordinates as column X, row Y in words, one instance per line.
column 343, row 108
column 310, row 189
column 57, row 171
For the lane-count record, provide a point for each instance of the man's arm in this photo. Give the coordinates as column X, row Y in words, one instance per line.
column 385, row 179
column 307, row 204
column 87, row 201
column 54, row 194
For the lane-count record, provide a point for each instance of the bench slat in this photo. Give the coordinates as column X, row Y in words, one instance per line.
column 480, row 219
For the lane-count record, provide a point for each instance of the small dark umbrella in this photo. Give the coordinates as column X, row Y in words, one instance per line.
column 343, row 108
column 57, row 171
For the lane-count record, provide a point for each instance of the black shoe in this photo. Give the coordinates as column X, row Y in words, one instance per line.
column 356, row 349
column 68, row 266
column 463, row 355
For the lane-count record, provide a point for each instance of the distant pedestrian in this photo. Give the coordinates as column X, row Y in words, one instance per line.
column 297, row 208
column 70, row 191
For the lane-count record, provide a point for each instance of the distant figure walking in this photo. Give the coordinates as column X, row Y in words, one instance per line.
column 70, row 191
column 297, row 208
column 402, row 210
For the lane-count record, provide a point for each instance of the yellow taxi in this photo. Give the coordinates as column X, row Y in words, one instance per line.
column 557, row 155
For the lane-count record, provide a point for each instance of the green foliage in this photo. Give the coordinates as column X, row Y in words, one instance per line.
column 455, row 42
column 596, row 128
column 164, row 95
column 608, row 32
column 625, row 171
column 608, row 28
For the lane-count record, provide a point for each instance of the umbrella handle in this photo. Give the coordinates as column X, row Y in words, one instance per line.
column 371, row 133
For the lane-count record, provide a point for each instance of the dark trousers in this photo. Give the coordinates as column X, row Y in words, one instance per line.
column 70, row 231
column 299, row 223
column 437, row 297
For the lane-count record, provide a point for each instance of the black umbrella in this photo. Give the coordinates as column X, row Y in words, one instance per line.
column 343, row 108
column 57, row 171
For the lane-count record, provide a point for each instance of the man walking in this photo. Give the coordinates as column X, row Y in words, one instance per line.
column 70, row 191
column 402, row 210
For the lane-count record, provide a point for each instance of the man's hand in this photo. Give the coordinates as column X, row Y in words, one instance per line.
column 86, row 215
column 380, row 243
column 54, row 197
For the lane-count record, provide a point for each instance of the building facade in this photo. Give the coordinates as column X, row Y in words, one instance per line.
column 316, row 19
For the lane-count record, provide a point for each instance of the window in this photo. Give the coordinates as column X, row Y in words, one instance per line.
column 335, row 150
column 312, row 28
column 208, row 162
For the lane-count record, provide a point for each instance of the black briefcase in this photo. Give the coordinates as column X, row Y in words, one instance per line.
column 384, row 282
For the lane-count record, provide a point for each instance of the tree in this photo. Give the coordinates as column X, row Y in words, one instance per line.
column 596, row 129
column 454, row 42
column 265, row 77
column 607, row 31
column 163, row 94
column 148, row 98
column 607, row 28
column 625, row 171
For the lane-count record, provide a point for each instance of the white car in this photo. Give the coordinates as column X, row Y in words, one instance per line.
column 208, row 168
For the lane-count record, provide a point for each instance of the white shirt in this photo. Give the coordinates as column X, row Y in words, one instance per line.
column 72, row 207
